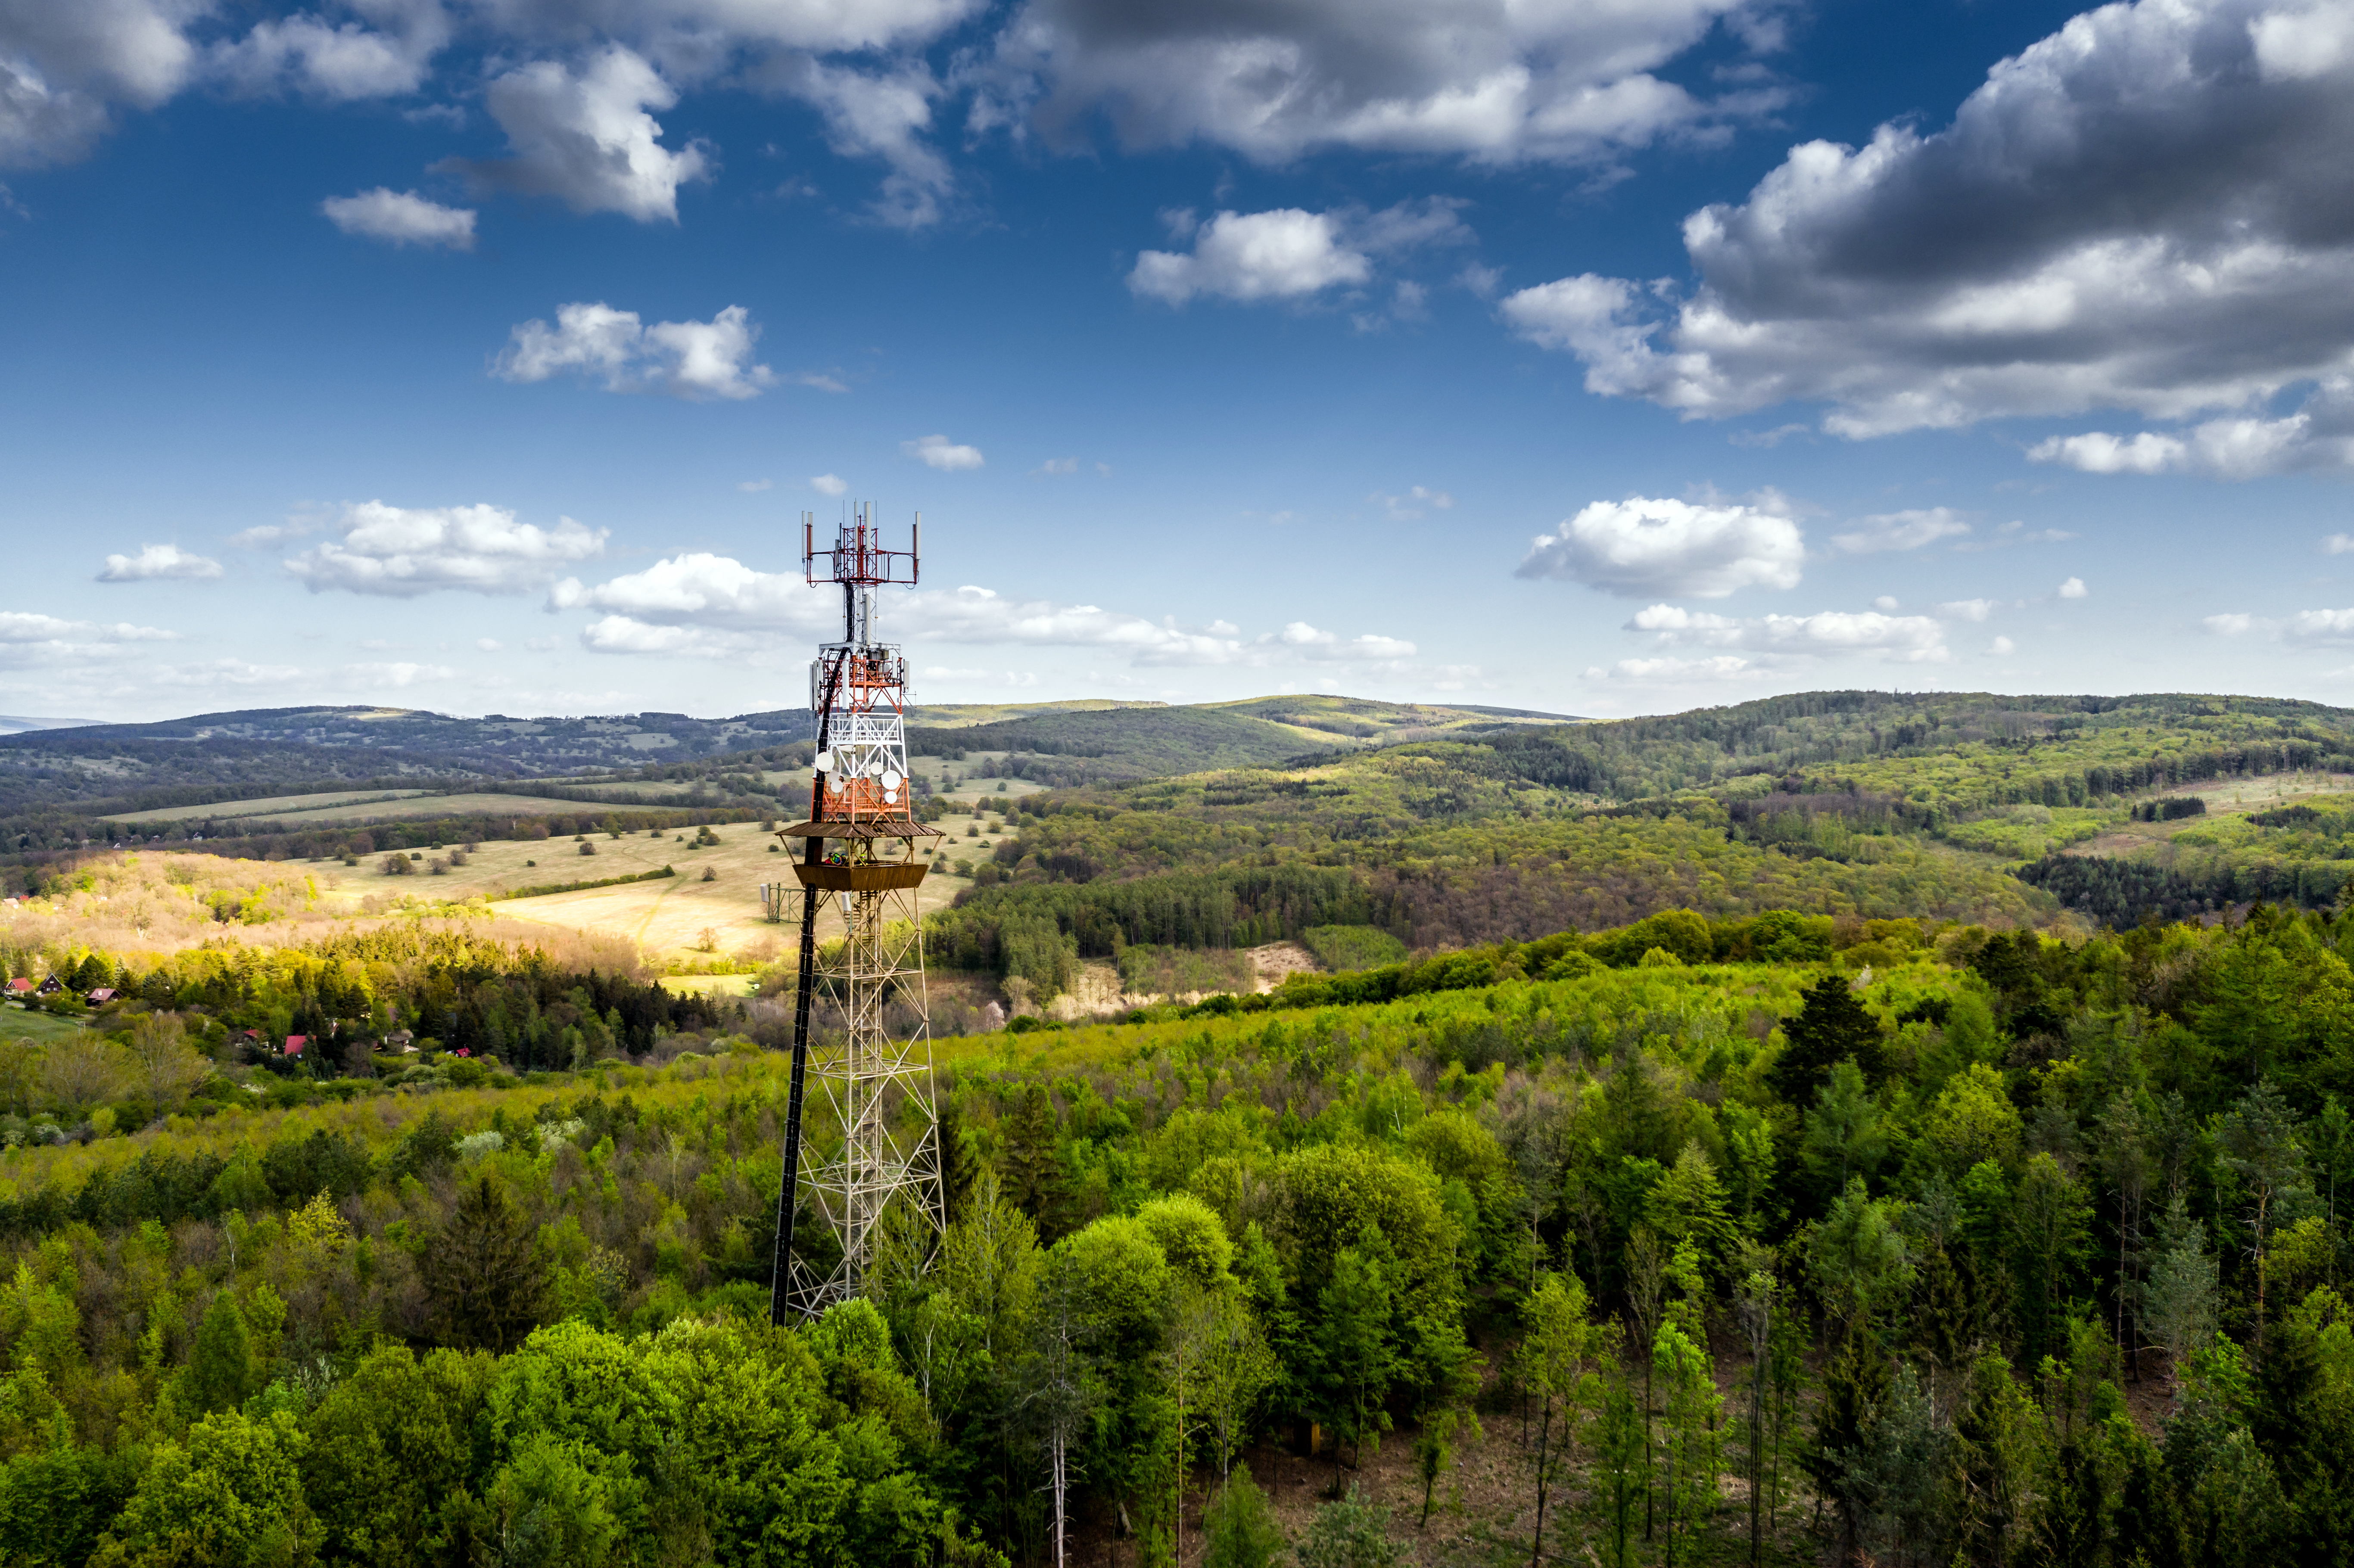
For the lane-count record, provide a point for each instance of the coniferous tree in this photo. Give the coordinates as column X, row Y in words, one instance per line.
column 484, row 1272
column 1832, row 1026
column 220, row 1373
column 1354, row 1363
column 1997, row 1441
column 1621, row 1464
column 1239, row 1528
column 1691, row 1444
column 1854, row 1389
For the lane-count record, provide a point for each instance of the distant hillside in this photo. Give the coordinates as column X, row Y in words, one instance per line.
column 17, row 724
column 1872, row 804
column 1439, row 823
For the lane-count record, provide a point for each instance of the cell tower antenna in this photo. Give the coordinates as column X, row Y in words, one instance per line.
column 859, row 847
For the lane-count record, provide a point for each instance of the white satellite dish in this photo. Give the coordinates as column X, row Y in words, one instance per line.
column 892, row 779
column 890, row 797
column 824, row 762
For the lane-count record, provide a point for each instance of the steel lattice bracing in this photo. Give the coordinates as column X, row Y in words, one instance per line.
column 878, row 1151
column 875, row 1087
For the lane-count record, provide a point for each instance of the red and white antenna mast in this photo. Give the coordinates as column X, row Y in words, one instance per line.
column 859, row 845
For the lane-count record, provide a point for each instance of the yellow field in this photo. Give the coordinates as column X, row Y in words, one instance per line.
column 276, row 803
column 671, row 917
column 428, row 806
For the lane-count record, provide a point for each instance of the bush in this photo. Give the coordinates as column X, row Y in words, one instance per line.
column 398, row 865
column 1240, row 1527
column 710, row 874
column 587, row 848
column 1345, row 948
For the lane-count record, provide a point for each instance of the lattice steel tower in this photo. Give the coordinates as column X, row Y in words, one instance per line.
column 858, row 857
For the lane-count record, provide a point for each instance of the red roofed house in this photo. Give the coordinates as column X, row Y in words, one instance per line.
column 20, row 988
column 295, row 1043
column 104, row 993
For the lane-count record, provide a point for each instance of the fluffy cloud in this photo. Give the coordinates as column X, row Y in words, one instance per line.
column 29, row 640
column 829, row 484
column 939, row 452
column 2319, row 435
column 2074, row 589
column 157, row 561
column 1680, row 671
column 393, row 673
column 588, row 140
column 2148, row 209
column 881, row 115
column 1900, row 531
column 694, row 37
column 63, row 66
column 347, row 62
column 403, row 218
column 402, row 552
column 2305, row 628
column 2316, row 628
column 709, row 606
column 1289, row 253
column 1500, row 83
column 1277, row 255
column 1911, row 639
column 1642, row 548
column 694, row 360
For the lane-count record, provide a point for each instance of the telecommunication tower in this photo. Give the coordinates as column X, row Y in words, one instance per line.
column 858, row 857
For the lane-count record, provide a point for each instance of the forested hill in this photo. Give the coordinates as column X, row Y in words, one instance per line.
column 1953, row 750
column 1874, row 804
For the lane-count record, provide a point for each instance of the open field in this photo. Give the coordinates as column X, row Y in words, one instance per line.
column 668, row 918
column 422, row 807
column 2233, row 797
column 275, row 805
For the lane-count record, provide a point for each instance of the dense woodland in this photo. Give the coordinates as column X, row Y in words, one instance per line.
column 1880, row 1241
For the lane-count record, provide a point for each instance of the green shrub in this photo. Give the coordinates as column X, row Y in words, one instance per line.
column 1345, row 948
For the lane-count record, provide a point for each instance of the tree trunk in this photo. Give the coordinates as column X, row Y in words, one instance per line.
column 1544, row 1433
column 1648, row 1488
column 1062, row 1519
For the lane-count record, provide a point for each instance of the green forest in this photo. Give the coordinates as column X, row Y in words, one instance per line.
column 1776, row 1237
column 1936, row 806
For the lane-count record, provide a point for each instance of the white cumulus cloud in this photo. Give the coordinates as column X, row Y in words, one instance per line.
column 708, row 606
column 587, row 139
column 2148, row 209
column 939, row 452
column 345, row 61
column 156, row 562
column 2074, row 589
column 1279, row 255
column 1566, row 83
column 401, row 218
column 402, row 552
column 694, row 360
column 1900, row 531
column 65, row 66
column 1644, row 546
column 2318, row 435
column 879, row 115
column 1907, row 638
column 1289, row 253
column 395, row 672
column 829, row 484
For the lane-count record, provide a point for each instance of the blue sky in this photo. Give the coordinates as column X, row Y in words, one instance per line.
column 1598, row 357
